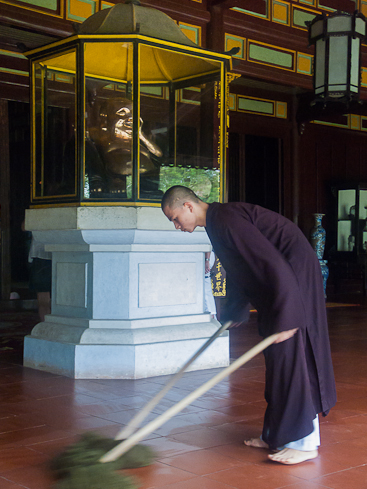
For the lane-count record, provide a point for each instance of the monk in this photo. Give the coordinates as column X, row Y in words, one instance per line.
column 274, row 268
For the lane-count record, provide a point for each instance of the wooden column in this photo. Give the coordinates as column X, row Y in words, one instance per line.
column 5, row 270
column 215, row 29
column 295, row 161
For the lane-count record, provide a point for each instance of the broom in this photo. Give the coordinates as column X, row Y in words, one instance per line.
column 88, row 450
column 134, row 424
column 97, row 473
column 125, row 445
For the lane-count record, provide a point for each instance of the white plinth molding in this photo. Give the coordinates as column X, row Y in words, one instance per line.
column 127, row 295
column 123, row 353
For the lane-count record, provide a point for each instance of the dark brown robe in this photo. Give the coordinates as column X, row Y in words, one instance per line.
column 272, row 266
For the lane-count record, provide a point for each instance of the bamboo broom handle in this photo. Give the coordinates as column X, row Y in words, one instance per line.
column 136, row 421
column 124, row 446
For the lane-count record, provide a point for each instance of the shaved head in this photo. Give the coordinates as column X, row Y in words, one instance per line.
column 184, row 209
column 176, row 196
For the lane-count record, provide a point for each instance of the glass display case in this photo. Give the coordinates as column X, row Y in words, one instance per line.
column 121, row 118
column 352, row 219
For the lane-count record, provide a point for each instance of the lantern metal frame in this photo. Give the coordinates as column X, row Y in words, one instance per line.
column 327, row 36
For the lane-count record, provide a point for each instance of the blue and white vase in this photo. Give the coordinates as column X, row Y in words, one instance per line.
column 317, row 236
column 317, row 239
column 325, row 273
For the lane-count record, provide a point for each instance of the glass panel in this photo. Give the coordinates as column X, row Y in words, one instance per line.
column 346, row 239
column 363, row 204
column 346, row 219
column 180, row 129
column 360, row 26
column 339, row 23
column 320, row 67
column 153, row 139
column 176, row 133
column 355, row 65
column 346, row 204
column 193, row 161
column 55, row 161
column 338, row 63
column 108, row 151
column 108, row 139
column 317, row 28
column 108, row 60
column 362, row 224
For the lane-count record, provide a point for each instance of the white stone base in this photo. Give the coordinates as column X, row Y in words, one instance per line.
column 88, row 361
column 127, row 295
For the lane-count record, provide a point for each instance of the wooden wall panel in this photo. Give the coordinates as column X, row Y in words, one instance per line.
column 307, row 188
column 338, row 159
column 344, row 5
column 328, row 155
column 353, row 157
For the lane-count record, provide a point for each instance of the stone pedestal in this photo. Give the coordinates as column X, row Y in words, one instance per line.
column 127, row 295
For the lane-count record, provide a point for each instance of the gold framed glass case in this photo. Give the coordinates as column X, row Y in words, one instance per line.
column 351, row 219
column 118, row 119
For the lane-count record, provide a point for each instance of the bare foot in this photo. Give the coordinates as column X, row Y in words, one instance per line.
column 256, row 442
column 289, row 456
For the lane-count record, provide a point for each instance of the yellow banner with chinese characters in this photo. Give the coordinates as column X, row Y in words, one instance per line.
column 218, row 276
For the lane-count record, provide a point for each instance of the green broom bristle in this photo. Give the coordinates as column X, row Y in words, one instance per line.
column 95, row 477
column 85, row 454
column 137, row 456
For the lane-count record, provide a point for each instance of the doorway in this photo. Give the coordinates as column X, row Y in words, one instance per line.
column 255, row 170
column 14, row 254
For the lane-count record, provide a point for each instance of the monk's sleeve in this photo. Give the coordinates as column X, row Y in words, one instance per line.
column 266, row 277
column 237, row 307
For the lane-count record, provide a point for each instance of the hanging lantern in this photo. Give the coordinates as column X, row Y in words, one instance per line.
column 337, row 64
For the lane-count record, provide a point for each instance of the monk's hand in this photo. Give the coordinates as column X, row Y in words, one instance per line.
column 285, row 335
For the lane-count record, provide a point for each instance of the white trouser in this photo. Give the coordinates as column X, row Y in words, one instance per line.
column 309, row 442
column 209, row 302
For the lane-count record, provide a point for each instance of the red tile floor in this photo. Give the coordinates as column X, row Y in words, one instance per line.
column 202, row 447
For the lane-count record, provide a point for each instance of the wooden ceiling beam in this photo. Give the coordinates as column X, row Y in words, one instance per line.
column 227, row 4
column 34, row 21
